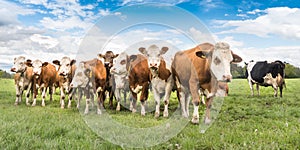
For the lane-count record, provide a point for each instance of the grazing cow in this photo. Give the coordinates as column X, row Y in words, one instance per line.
column 200, row 68
column 65, row 74
column 92, row 73
column 44, row 77
column 108, row 63
column 83, row 82
column 23, row 78
column 266, row 74
column 119, row 74
column 160, row 76
column 139, row 80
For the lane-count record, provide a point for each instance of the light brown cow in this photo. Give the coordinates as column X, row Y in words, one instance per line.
column 44, row 77
column 65, row 73
column 161, row 79
column 93, row 74
column 23, row 78
column 200, row 68
column 139, row 80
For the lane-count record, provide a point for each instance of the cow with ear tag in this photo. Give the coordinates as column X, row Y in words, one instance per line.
column 160, row 76
column 201, row 68
column 44, row 77
column 23, row 78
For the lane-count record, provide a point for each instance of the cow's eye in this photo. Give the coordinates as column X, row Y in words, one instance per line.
column 68, row 65
column 122, row 62
column 217, row 61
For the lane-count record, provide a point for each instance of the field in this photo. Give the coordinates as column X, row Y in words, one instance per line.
column 244, row 122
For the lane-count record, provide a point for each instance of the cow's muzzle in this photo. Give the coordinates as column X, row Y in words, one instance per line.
column 227, row 78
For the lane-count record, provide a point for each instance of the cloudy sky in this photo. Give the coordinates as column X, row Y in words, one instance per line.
column 51, row 29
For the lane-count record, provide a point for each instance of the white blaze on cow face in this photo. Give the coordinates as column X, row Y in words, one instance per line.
column 81, row 76
column 154, row 55
column 37, row 67
column 119, row 70
column 19, row 64
column 65, row 66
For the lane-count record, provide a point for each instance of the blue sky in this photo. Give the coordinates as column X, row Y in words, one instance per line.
column 51, row 29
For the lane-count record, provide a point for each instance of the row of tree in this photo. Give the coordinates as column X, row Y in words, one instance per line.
column 236, row 71
column 290, row 71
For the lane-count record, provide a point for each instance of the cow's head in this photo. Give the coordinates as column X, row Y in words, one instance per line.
column 37, row 67
column 65, row 65
column 20, row 64
column 154, row 56
column 120, row 69
column 220, row 57
column 108, row 58
column 81, row 77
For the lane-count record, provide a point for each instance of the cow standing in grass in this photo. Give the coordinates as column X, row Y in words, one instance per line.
column 200, row 68
column 108, row 63
column 263, row 73
column 44, row 77
column 65, row 74
column 84, row 83
column 92, row 77
column 119, row 74
column 160, row 76
column 23, row 78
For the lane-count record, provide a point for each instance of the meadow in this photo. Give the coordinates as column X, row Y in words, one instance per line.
column 244, row 122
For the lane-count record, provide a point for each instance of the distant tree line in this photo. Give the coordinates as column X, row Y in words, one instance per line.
column 290, row 71
column 4, row 74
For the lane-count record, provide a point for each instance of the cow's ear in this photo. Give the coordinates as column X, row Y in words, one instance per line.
column 56, row 62
column 132, row 57
column 203, row 54
column 100, row 56
column 88, row 72
column 236, row 58
column 143, row 50
column 28, row 63
column 164, row 50
column 44, row 64
column 73, row 61
column 116, row 55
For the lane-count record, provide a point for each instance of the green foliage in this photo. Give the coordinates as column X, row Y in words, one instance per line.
column 4, row 74
column 244, row 122
column 292, row 71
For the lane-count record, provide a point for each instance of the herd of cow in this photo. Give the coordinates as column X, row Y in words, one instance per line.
column 200, row 71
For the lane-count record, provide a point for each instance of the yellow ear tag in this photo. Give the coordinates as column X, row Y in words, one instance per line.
column 203, row 56
column 91, row 74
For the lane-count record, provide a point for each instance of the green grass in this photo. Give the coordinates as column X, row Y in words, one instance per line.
column 244, row 122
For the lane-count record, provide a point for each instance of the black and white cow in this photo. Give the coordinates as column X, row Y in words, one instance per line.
column 263, row 73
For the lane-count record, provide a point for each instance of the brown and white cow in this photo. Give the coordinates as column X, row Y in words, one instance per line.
column 92, row 73
column 160, row 76
column 139, row 80
column 65, row 74
column 119, row 74
column 201, row 68
column 23, row 78
column 82, row 81
column 44, row 77
column 108, row 63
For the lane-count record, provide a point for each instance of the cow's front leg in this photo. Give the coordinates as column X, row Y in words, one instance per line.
column 71, row 94
column 275, row 87
column 157, row 101
column 62, row 97
column 196, row 101
column 28, row 94
column 118, row 98
column 17, row 95
column 44, row 95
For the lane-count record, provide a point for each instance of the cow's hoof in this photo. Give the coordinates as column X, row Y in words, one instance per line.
column 99, row 112
column 43, row 105
column 118, row 108
column 33, row 105
column 86, row 112
column 78, row 106
column 28, row 104
column 143, row 113
column 16, row 104
column 69, row 106
column 185, row 116
column 166, row 114
column 207, row 121
column 133, row 110
column 195, row 120
column 156, row 115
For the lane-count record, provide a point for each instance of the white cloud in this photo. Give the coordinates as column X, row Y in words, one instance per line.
column 168, row 2
column 279, row 21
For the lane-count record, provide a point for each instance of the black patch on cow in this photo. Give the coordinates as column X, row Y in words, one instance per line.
column 261, row 69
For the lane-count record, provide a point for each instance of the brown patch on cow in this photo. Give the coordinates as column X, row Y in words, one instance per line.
column 163, row 72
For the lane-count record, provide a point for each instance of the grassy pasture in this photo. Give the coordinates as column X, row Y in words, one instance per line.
column 244, row 122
